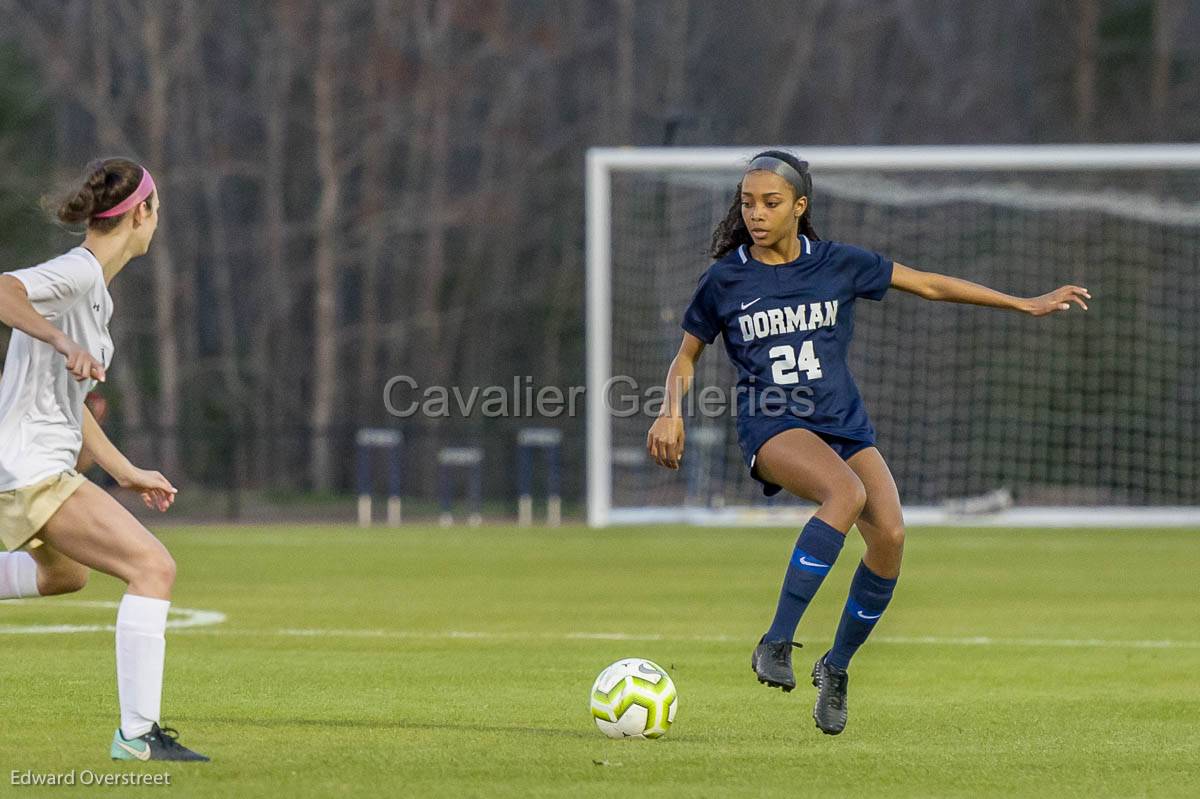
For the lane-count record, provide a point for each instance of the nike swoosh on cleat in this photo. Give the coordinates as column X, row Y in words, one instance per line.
column 140, row 754
column 746, row 305
column 805, row 562
column 862, row 615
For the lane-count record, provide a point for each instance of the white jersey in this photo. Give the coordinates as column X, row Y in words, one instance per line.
column 41, row 404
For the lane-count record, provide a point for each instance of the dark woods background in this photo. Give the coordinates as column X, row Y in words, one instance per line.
column 359, row 189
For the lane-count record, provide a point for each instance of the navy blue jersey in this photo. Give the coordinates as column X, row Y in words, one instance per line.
column 787, row 330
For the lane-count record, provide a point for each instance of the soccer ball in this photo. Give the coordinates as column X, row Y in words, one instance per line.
column 634, row 698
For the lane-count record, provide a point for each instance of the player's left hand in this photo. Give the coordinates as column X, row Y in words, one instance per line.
column 1060, row 299
column 156, row 490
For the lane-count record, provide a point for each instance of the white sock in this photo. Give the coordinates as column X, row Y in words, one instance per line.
column 18, row 575
column 141, row 649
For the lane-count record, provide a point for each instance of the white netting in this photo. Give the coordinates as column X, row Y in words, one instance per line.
column 1090, row 409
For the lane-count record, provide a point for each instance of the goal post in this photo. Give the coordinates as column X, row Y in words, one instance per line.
column 985, row 418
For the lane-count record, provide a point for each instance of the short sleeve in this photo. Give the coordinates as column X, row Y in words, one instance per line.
column 872, row 273
column 54, row 286
column 701, row 318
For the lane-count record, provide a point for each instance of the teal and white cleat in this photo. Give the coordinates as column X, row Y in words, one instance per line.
column 158, row 744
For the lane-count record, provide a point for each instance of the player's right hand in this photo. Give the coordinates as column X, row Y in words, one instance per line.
column 156, row 490
column 664, row 442
column 80, row 362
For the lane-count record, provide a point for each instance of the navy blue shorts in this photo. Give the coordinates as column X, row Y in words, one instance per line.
column 844, row 447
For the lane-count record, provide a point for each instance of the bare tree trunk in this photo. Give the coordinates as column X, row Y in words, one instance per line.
column 273, row 314
column 112, row 139
column 675, row 84
column 623, row 118
column 1167, row 14
column 467, row 354
column 162, row 263
column 217, row 253
column 797, row 71
column 1085, row 70
column 375, row 191
column 433, row 46
column 325, row 349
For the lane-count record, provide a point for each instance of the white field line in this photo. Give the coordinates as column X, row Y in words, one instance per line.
column 177, row 619
column 203, row 621
column 927, row 640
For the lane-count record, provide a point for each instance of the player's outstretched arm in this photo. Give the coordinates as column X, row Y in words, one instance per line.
column 943, row 288
column 156, row 490
column 664, row 442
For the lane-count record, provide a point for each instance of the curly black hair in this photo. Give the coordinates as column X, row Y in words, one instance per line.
column 731, row 233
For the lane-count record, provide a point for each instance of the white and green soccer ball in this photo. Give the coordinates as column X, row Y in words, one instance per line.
column 634, row 698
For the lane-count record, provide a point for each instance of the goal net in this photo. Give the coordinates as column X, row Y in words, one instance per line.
column 983, row 415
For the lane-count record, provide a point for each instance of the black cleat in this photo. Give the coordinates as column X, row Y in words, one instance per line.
column 830, row 710
column 158, row 744
column 772, row 662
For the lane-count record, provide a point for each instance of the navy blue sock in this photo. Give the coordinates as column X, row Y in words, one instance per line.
column 869, row 597
column 816, row 550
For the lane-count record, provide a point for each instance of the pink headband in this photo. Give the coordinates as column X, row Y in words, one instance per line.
column 144, row 190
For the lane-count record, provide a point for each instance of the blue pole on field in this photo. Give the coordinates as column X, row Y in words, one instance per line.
column 367, row 441
column 549, row 441
column 477, row 491
column 524, row 473
column 394, row 479
column 470, row 458
column 445, row 490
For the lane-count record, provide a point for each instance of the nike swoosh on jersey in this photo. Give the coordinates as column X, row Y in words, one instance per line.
column 746, row 305
column 806, row 562
column 140, row 754
column 862, row 615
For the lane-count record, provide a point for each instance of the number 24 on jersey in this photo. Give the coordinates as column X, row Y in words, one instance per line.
column 787, row 363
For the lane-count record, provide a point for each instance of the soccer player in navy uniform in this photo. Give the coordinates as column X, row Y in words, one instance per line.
column 783, row 301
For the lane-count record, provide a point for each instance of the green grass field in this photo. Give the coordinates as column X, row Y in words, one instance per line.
column 430, row 662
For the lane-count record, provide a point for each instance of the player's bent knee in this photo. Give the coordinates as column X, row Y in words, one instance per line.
column 154, row 574
column 843, row 500
column 889, row 538
column 845, row 490
column 851, row 493
column 164, row 570
column 63, row 581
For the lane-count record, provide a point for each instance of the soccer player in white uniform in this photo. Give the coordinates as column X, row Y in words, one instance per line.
column 54, row 523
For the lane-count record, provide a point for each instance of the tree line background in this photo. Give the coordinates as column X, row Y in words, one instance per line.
column 360, row 189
